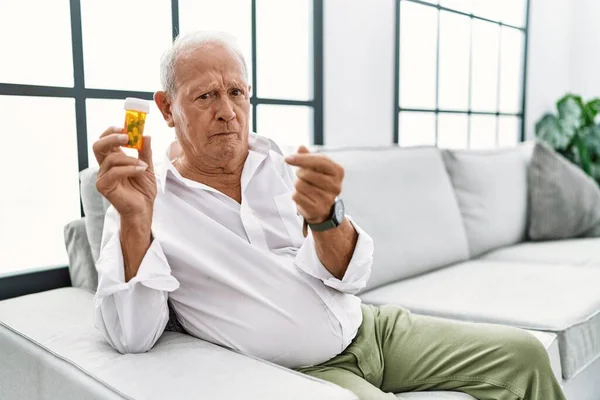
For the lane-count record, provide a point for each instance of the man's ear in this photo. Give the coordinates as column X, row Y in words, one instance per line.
column 164, row 105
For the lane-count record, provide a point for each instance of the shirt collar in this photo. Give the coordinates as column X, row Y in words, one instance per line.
column 259, row 145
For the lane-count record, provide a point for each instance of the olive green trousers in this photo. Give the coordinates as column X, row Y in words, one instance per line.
column 396, row 351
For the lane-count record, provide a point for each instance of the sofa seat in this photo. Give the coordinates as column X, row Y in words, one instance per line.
column 51, row 350
column 558, row 298
column 569, row 251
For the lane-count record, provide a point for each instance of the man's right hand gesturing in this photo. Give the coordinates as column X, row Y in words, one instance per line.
column 129, row 185
column 127, row 182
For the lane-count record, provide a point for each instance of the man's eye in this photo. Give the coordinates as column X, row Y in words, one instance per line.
column 205, row 96
column 237, row 92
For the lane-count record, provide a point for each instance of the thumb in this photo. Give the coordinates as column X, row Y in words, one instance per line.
column 145, row 153
column 303, row 150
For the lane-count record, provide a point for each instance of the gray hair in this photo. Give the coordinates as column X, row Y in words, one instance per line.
column 189, row 42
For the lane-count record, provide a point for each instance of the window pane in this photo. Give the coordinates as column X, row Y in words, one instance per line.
column 509, row 129
column 286, row 125
column 459, row 5
column 44, row 194
column 417, row 129
column 483, row 132
column 36, row 42
column 284, row 41
column 418, row 38
column 485, row 66
column 455, row 36
column 453, row 131
column 210, row 15
column 513, row 12
column 102, row 113
column 511, row 67
column 490, row 9
column 122, row 50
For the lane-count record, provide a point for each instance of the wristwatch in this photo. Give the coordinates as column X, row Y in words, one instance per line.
column 335, row 218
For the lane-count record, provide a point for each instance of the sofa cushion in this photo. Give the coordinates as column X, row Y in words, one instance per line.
column 82, row 269
column 403, row 198
column 558, row 298
column 94, row 206
column 71, row 356
column 564, row 201
column 491, row 188
column 569, row 251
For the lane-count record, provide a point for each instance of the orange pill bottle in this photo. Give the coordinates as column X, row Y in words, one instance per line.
column 135, row 119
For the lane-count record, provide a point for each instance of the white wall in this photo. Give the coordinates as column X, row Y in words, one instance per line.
column 549, row 67
column 585, row 48
column 358, row 72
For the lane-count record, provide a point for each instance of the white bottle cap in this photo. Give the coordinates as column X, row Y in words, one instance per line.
column 131, row 103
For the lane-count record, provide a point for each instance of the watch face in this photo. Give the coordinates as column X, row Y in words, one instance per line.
column 338, row 211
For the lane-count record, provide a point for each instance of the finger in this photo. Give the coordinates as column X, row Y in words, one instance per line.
column 119, row 160
column 145, row 153
column 303, row 150
column 318, row 162
column 112, row 129
column 322, row 198
column 304, row 203
column 323, row 181
column 313, row 211
column 107, row 144
column 108, row 180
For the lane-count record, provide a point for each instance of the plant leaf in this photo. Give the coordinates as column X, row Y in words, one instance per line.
column 584, row 156
column 593, row 108
column 570, row 112
column 590, row 136
column 550, row 130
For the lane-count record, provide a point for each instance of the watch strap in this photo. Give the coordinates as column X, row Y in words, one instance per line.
column 323, row 226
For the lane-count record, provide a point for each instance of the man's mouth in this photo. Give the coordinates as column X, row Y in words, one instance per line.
column 225, row 133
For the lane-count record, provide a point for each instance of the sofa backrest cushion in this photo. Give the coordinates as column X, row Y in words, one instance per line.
column 94, row 207
column 491, row 188
column 404, row 199
column 564, row 201
column 82, row 268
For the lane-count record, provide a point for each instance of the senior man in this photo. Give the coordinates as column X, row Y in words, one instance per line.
column 218, row 233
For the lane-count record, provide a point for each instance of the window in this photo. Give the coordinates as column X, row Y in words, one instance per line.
column 89, row 67
column 128, row 57
column 38, row 201
column 49, row 42
column 459, row 72
column 284, row 65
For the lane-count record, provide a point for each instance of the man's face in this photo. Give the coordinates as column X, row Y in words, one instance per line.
column 210, row 109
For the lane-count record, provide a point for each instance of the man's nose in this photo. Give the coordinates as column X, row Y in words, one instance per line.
column 225, row 110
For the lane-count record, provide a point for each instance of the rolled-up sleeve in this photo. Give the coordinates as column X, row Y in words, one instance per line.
column 131, row 315
column 358, row 271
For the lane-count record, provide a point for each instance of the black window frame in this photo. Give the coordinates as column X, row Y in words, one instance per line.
column 37, row 279
column 436, row 111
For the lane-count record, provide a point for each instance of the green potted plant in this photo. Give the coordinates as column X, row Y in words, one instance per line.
column 574, row 132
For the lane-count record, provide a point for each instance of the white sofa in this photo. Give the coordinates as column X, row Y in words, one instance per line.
column 449, row 231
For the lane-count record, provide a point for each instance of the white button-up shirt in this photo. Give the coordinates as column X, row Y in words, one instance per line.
column 239, row 275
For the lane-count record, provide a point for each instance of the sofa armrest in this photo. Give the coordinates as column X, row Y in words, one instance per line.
column 205, row 370
column 54, row 331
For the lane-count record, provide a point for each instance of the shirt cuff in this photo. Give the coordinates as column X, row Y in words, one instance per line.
column 358, row 271
column 154, row 271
